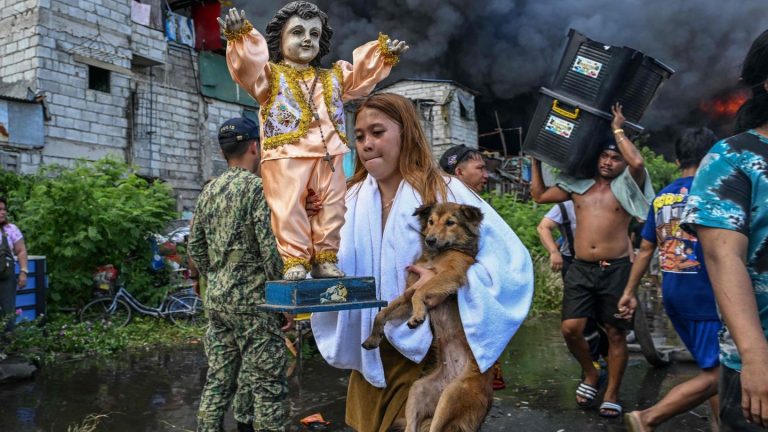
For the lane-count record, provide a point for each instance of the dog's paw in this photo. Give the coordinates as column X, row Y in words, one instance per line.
column 371, row 343
column 415, row 322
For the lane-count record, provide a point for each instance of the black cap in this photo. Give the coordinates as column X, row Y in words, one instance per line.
column 454, row 156
column 610, row 144
column 238, row 129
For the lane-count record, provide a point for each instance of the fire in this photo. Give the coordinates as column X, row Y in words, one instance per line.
column 724, row 106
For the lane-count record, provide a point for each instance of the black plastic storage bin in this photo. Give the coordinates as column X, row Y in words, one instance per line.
column 568, row 134
column 600, row 75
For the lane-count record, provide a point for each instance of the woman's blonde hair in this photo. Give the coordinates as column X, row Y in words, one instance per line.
column 416, row 164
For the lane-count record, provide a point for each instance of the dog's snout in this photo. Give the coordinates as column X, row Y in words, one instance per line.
column 430, row 241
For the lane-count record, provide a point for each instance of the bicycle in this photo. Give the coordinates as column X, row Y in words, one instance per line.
column 184, row 309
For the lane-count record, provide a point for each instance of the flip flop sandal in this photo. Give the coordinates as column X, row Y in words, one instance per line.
column 587, row 392
column 633, row 423
column 610, row 406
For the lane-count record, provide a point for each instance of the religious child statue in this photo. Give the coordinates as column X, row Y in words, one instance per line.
column 301, row 116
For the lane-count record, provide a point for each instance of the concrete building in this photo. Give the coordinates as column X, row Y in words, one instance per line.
column 83, row 80
column 447, row 111
column 111, row 87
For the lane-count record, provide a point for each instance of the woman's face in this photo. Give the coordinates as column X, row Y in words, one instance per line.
column 3, row 213
column 377, row 140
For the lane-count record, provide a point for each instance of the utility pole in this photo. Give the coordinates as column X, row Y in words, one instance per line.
column 501, row 133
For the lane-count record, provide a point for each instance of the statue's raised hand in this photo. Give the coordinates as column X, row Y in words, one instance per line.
column 233, row 21
column 397, row 47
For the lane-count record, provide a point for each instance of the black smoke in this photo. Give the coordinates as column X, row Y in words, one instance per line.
column 507, row 48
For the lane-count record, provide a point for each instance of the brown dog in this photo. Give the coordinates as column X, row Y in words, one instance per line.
column 455, row 396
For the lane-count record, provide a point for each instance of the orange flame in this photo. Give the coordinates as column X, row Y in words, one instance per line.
column 724, row 106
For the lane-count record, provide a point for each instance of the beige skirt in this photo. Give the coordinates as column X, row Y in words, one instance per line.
column 373, row 409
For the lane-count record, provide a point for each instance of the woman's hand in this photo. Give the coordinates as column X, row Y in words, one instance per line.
column 425, row 274
column 313, row 205
column 22, row 280
column 233, row 21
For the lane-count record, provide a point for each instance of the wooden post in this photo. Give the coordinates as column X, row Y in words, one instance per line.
column 501, row 133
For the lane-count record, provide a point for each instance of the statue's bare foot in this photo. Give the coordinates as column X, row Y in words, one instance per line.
column 297, row 272
column 326, row 270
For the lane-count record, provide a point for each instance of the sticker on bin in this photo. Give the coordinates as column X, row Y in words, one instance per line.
column 587, row 67
column 558, row 126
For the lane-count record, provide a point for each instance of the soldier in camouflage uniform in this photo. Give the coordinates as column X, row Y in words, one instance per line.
column 232, row 244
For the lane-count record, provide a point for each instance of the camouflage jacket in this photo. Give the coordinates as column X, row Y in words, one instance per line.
column 232, row 243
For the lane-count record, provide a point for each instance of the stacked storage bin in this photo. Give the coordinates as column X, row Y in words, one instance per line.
column 31, row 300
column 573, row 116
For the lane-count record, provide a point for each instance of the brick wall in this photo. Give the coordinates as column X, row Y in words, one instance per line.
column 18, row 43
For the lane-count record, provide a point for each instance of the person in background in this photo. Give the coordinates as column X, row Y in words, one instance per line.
column 562, row 217
column 13, row 238
column 232, row 244
column 686, row 290
column 728, row 212
column 467, row 164
column 604, row 205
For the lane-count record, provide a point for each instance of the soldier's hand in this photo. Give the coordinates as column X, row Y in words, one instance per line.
column 288, row 322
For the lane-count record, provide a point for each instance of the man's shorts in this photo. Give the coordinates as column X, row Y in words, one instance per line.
column 701, row 339
column 593, row 289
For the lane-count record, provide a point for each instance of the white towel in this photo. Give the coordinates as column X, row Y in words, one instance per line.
column 492, row 307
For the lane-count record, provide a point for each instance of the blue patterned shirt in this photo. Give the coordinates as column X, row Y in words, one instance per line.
column 730, row 192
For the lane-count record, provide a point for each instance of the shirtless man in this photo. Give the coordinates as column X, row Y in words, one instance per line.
column 601, row 267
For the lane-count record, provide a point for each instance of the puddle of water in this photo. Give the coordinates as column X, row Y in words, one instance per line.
column 160, row 390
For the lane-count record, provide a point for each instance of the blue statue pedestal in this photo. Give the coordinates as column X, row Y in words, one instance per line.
column 321, row 295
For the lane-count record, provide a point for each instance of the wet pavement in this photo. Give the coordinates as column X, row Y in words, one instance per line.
column 159, row 390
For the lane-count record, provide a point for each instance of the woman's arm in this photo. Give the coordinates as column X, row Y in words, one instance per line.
column 20, row 250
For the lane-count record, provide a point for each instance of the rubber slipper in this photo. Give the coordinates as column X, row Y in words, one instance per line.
column 632, row 421
column 587, row 392
column 613, row 410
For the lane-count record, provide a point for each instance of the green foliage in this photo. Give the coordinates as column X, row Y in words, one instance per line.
column 662, row 172
column 16, row 188
column 524, row 217
column 92, row 214
column 62, row 335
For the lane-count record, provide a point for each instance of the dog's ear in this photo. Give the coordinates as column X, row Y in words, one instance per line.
column 423, row 213
column 472, row 214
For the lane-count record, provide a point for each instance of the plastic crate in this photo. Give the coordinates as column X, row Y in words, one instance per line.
column 567, row 134
column 31, row 299
column 599, row 75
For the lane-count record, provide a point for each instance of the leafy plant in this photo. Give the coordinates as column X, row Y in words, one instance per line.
column 523, row 218
column 63, row 335
column 16, row 188
column 92, row 214
column 661, row 172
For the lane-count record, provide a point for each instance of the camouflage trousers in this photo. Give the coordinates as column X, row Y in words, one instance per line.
column 246, row 355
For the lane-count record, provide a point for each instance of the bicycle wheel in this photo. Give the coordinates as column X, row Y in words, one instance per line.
column 102, row 310
column 186, row 310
